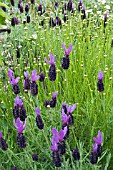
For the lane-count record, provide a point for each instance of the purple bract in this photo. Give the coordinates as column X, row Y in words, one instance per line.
column 51, row 61
column 67, row 51
column 19, row 125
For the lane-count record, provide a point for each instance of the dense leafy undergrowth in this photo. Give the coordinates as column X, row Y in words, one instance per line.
column 25, row 48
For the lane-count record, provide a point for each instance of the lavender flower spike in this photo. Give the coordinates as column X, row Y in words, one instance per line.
column 54, row 94
column 52, row 59
column 10, row 73
column 100, row 75
column 67, row 51
column 39, row 121
column 19, row 125
column 55, row 137
column 34, row 77
column 98, row 139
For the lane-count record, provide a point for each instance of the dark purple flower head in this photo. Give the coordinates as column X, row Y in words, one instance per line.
column 65, row 117
column 37, row 110
column 10, row 73
column 67, row 51
column 0, row 134
column 51, row 61
column 19, row 125
column 95, row 146
column 14, row 81
column 70, row 109
column 18, row 101
column 98, row 139
column 100, row 75
column 105, row 16
column 56, row 4
column 54, row 94
column 34, row 76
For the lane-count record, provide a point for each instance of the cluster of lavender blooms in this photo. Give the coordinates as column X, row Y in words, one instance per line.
column 81, row 8
column 97, row 148
column 28, row 84
column 58, row 139
column 21, row 8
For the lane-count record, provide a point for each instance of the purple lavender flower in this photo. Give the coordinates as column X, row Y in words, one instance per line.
column 76, row 154
column 19, row 125
column 65, row 59
column 56, row 4
column 26, row 82
column 19, row 3
column 83, row 16
column 42, row 76
column 14, row 168
column 65, row 120
column 12, row 2
column 39, row 121
column 69, row 5
column 32, row 1
column 27, row 8
column 100, row 85
column 28, row 18
column 19, row 110
column 52, row 23
column 94, row 155
column 105, row 19
column 52, row 69
column 70, row 109
column 65, row 18
column 3, row 144
column 56, row 159
column 14, row 81
column 35, row 157
column 53, row 100
column 98, row 141
column 21, row 141
column 64, row 107
column 10, row 73
column 40, row 8
column 58, row 21
column 33, row 85
column 80, row 5
column 100, row 75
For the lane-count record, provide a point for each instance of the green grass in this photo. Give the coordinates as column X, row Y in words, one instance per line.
column 91, row 52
